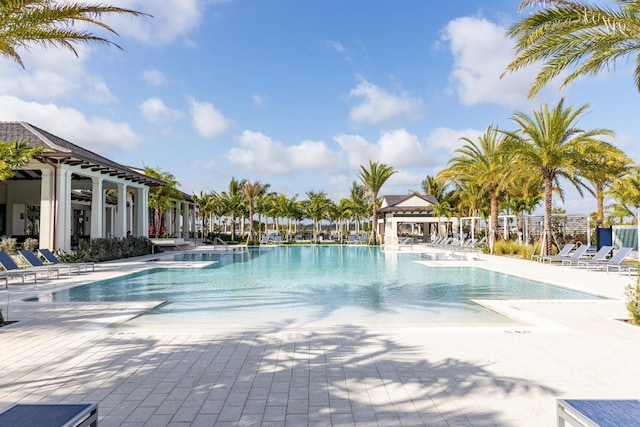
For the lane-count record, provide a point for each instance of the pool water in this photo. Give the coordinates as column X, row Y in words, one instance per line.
column 315, row 284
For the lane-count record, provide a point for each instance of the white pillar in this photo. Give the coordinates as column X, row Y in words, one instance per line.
column 185, row 220
column 47, row 209
column 121, row 213
column 97, row 207
column 194, row 213
column 63, row 211
column 142, row 212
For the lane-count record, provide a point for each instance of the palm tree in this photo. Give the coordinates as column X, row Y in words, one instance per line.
column 487, row 164
column 626, row 191
column 317, row 208
column 605, row 163
column 204, row 203
column 162, row 198
column 358, row 204
column 24, row 23
column 373, row 179
column 252, row 190
column 14, row 155
column 579, row 35
column 550, row 143
column 234, row 201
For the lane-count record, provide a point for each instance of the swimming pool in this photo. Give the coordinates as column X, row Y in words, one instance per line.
column 337, row 285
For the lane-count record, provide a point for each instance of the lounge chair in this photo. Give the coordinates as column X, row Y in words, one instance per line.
column 593, row 412
column 616, row 259
column 33, row 260
column 11, row 269
column 51, row 258
column 564, row 252
column 601, row 255
column 574, row 256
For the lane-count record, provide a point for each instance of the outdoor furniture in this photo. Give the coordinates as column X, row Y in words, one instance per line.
column 564, row 252
column 601, row 413
column 51, row 258
column 615, row 260
column 35, row 262
column 599, row 256
column 12, row 269
column 574, row 256
column 51, row 415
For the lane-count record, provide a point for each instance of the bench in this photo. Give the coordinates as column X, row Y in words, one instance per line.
column 51, row 415
column 598, row 413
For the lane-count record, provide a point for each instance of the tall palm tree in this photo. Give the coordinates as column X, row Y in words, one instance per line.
column 24, row 23
column 234, row 201
column 550, row 143
column 487, row 164
column 605, row 163
column 575, row 34
column 373, row 178
column 250, row 191
column 162, row 198
column 204, row 203
column 358, row 204
column 317, row 208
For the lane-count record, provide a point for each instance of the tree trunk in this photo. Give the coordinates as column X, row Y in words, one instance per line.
column 600, row 201
column 493, row 197
column 374, row 225
column 548, row 202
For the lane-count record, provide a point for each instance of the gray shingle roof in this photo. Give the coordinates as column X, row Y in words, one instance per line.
column 69, row 153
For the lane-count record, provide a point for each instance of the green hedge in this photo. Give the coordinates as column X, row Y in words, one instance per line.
column 106, row 249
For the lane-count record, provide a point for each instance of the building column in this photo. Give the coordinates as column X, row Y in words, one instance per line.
column 63, row 212
column 185, row 220
column 47, row 209
column 121, row 212
column 97, row 207
column 194, row 215
column 142, row 212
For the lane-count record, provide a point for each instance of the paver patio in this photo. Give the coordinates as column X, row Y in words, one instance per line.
column 323, row 375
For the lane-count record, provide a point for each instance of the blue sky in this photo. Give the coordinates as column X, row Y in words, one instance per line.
column 298, row 93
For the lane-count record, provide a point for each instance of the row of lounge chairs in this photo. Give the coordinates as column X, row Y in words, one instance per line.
column 454, row 243
column 50, row 267
column 579, row 258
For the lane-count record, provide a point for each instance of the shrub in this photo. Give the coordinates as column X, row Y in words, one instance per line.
column 9, row 245
column 511, row 248
column 31, row 244
column 114, row 248
column 633, row 302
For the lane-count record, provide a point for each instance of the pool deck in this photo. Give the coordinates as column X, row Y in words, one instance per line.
column 331, row 375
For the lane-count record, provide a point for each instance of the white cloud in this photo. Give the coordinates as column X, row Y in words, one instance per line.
column 338, row 47
column 397, row 148
column 481, row 52
column 155, row 111
column 261, row 154
column 93, row 133
column 172, row 19
column 258, row 100
column 208, row 121
column 449, row 139
column 153, row 77
column 381, row 107
column 54, row 74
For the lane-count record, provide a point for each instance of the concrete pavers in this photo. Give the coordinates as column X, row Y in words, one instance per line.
column 334, row 375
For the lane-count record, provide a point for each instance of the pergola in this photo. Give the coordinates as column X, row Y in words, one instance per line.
column 415, row 209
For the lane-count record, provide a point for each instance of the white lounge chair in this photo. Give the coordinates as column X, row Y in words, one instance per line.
column 600, row 256
column 52, row 259
column 616, row 259
column 564, row 252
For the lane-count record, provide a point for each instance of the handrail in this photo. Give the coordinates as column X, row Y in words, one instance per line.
column 217, row 239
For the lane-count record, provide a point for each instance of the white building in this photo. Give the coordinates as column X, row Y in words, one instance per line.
column 53, row 197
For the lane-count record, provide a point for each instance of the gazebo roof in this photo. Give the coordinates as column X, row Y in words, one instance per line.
column 408, row 204
column 63, row 151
